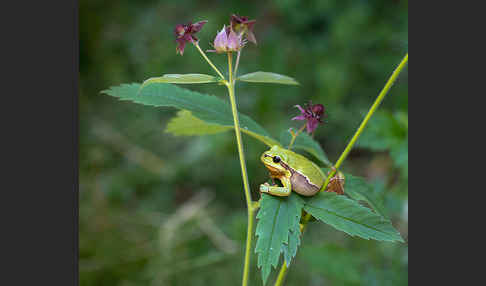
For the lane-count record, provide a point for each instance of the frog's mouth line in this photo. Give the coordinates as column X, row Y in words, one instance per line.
column 274, row 171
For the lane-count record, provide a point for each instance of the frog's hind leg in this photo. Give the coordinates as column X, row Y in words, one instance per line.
column 276, row 190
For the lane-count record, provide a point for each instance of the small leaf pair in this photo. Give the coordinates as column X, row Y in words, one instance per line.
column 195, row 78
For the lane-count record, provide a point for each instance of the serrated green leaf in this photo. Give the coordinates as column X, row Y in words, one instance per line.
column 267, row 77
column 209, row 109
column 358, row 189
column 184, row 123
column 189, row 78
column 349, row 216
column 276, row 217
column 290, row 249
column 306, row 143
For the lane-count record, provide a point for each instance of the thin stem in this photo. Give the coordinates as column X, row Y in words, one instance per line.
column 353, row 140
column 237, row 62
column 281, row 274
column 372, row 110
column 246, row 185
column 209, row 61
column 249, row 236
column 294, row 136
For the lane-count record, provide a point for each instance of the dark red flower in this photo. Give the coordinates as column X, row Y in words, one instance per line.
column 312, row 114
column 241, row 25
column 185, row 33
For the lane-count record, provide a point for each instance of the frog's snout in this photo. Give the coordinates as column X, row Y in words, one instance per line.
column 265, row 158
column 262, row 157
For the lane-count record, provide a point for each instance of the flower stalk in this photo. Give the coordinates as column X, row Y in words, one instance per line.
column 228, row 41
column 294, row 136
column 250, row 206
column 209, row 61
column 237, row 63
column 348, row 148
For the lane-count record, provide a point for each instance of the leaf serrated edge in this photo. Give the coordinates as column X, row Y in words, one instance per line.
column 263, row 137
column 368, row 211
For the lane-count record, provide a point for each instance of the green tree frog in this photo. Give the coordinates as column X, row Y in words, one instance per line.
column 294, row 171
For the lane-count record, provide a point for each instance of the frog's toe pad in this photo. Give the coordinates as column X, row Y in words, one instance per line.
column 264, row 188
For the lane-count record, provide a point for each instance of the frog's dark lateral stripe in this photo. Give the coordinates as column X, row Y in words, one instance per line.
column 300, row 183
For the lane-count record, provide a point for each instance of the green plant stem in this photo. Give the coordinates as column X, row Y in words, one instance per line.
column 237, row 62
column 372, row 110
column 348, row 148
column 209, row 61
column 294, row 136
column 250, row 206
column 281, row 274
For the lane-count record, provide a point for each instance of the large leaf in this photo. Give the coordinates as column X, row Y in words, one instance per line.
column 209, row 109
column 349, row 216
column 306, row 143
column 358, row 189
column 267, row 77
column 185, row 123
column 276, row 218
column 181, row 79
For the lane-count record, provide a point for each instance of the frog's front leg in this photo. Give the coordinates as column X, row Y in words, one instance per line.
column 276, row 190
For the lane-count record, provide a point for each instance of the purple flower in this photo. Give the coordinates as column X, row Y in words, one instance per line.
column 185, row 33
column 312, row 114
column 227, row 41
column 241, row 25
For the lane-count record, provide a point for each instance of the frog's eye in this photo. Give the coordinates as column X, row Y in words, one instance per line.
column 276, row 159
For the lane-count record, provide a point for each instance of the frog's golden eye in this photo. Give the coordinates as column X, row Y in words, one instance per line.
column 276, row 159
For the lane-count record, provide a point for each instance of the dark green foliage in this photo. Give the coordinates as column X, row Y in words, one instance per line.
column 337, row 263
column 389, row 132
column 385, row 131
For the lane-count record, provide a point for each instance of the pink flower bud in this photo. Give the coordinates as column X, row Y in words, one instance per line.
column 234, row 41
column 220, row 41
column 227, row 41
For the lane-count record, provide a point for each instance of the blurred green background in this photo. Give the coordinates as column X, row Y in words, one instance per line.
column 156, row 209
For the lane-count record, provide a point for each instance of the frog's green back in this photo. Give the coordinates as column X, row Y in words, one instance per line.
column 304, row 166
